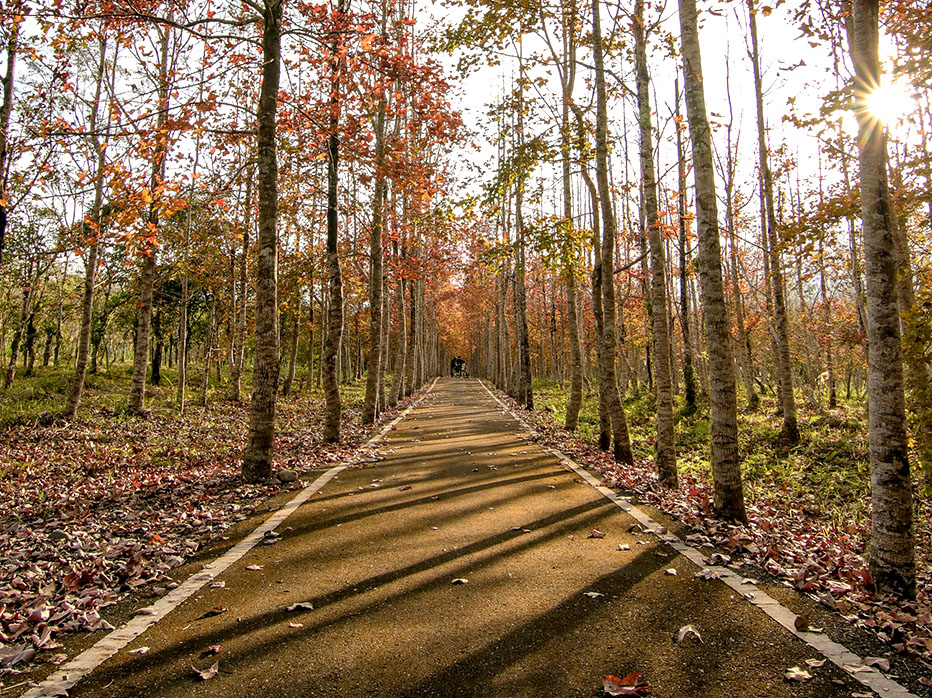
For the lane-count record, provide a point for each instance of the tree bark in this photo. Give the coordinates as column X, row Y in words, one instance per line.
column 665, row 444
column 621, row 443
column 329, row 360
column 689, row 374
column 370, row 407
column 726, row 467
column 892, row 552
column 239, row 339
column 790, row 430
column 6, row 110
column 93, row 222
column 137, row 392
column 257, row 459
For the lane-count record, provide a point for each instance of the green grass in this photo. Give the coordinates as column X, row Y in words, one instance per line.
column 830, row 465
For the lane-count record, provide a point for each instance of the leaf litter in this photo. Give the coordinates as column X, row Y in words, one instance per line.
column 107, row 506
column 817, row 556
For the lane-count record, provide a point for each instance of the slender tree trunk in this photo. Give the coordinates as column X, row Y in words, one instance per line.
column 6, row 110
column 621, row 443
column 689, row 375
column 331, row 350
column 665, row 444
column 784, row 360
column 293, row 351
column 892, row 552
column 156, row 375
column 257, row 459
column 137, row 393
column 209, row 350
column 401, row 348
column 239, row 340
column 726, row 467
column 370, row 407
column 93, row 223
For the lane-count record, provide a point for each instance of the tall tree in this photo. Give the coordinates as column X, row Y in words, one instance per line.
column 621, row 443
column 665, row 445
column 148, row 244
column 334, row 334
column 892, row 553
column 726, row 467
column 257, row 459
column 782, row 359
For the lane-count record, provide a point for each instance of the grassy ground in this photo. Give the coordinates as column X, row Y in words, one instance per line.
column 828, row 469
column 43, row 395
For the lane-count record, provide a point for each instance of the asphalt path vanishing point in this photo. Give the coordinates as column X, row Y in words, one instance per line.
column 372, row 562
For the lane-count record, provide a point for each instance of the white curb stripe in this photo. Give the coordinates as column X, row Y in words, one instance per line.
column 833, row 651
column 59, row 683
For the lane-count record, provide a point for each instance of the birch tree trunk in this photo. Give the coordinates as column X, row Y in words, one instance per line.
column 790, row 430
column 666, row 444
column 257, row 459
column 621, row 443
column 726, row 467
column 892, row 552
column 239, row 340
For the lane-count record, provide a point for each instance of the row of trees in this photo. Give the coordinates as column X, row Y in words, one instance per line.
column 705, row 274
column 273, row 166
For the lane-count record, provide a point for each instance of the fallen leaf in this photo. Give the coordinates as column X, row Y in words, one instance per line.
column 629, row 685
column 794, row 673
column 216, row 611
column 139, row 650
column 850, row 668
column 593, row 594
column 815, row 663
column 460, row 581
column 801, row 623
column 301, row 606
column 671, row 571
column 296, row 625
column 596, row 533
column 686, row 632
column 879, row 662
column 708, row 573
column 624, row 546
column 206, row 674
column 253, row 568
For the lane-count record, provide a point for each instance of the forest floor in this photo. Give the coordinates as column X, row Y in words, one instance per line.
column 466, row 560
column 111, row 503
column 109, row 513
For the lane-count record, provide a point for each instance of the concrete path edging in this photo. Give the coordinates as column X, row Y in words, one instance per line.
column 835, row 652
column 60, row 682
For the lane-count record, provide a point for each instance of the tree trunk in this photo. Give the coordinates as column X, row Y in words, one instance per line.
column 329, row 359
column 257, row 459
column 620, row 441
column 239, row 340
column 665, row 445
column 6, row 109
column 892, row 552
column 92, row 225
column 293, row 350
column 137, row 392
column 790, row 430
column 689, row 375
column 156, row 377
column 208, row 350
column 370, row 407
column 401, row 347
column 726, row 467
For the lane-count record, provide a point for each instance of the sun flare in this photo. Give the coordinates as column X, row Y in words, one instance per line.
column 889, row 102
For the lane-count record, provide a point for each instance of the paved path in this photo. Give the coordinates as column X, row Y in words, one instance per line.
column 460, row 495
